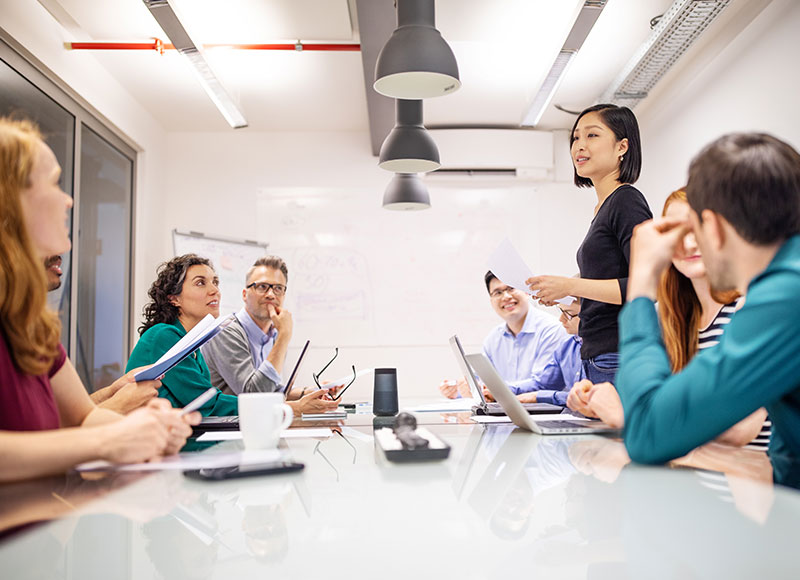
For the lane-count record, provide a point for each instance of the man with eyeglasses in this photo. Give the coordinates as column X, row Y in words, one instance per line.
column 521, row 346
column 248, row 355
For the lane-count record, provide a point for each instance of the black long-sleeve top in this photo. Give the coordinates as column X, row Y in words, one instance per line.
column 605, row 254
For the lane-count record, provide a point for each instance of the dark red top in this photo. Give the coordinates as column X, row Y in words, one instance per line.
column 26, row 401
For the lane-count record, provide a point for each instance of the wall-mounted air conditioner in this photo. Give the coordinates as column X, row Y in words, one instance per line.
column 495, row 154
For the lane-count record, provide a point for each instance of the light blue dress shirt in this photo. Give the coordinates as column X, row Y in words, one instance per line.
column 520, row 359
column 261, row 344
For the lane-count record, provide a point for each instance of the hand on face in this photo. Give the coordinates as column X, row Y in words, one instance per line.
column 281, row 319
column 652, row 249
column 687, row 258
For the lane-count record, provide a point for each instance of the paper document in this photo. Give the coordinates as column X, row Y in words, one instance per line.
column 506, row 263
column 205, row 330
column 189, row 461
column 490, row 419
column 287, row 434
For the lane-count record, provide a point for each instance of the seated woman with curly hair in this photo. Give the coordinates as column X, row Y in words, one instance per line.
column 48, row 423
column 185, row 291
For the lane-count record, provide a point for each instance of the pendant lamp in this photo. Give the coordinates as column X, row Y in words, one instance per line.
column 416, row 62
column 406, row 192
column 409, row 148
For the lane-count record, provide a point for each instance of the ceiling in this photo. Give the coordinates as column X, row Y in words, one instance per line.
column 504, row 50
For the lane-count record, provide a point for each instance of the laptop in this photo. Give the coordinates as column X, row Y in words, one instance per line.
column 231, row 422
column 484, row 407
column 517, row 413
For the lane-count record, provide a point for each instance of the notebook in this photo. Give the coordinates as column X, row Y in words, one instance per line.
column 484, row 407
column 231, row 422
column 203, row 331
column 517, row 413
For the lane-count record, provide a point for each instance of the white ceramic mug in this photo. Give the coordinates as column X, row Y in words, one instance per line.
column 262, row 417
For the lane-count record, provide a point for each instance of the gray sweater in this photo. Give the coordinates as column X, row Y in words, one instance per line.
column 231, row 364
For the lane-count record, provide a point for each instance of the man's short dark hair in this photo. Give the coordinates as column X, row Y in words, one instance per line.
column 622, row 122
column 273, row 262
column 488, row 277
column 753, row 181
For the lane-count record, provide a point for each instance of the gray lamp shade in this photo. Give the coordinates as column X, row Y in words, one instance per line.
column 409, row 148
column 416, row 62
column 406, row 192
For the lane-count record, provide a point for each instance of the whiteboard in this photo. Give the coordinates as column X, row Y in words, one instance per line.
column 362, row 276
column 231, row 259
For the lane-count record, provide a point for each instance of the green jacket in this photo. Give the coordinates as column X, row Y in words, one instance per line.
column 756, row 364
column 185, row 381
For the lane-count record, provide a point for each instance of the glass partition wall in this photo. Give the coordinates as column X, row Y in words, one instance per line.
column 98, row 170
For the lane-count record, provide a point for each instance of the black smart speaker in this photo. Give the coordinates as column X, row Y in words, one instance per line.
column 384, row 398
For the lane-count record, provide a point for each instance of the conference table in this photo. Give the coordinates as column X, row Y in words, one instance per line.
column 504, row 504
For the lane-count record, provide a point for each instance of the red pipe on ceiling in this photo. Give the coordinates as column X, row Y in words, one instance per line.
column 157, row 45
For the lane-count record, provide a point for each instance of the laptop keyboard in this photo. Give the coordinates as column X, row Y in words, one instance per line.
column 556, row 424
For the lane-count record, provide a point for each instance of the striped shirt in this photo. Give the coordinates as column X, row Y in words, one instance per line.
column 708, row 337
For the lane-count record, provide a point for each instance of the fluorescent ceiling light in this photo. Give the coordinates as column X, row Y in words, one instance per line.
column 548, row 88
column 678, row 29
column 583, row 25
column 166, row 16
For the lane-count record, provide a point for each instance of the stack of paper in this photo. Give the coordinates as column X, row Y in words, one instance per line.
column 205, row 330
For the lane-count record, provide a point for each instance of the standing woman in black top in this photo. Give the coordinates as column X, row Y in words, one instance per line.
column 607, row 155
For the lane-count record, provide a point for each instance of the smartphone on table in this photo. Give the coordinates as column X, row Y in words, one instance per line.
column 236, row 471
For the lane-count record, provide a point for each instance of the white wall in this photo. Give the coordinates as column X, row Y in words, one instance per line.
column 752, row 85
column 419, row 276
column 34, row 28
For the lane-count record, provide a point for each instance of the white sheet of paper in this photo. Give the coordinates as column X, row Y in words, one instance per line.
column 507, row 264
column 189, row 461
column 490, row 419
column 322, row 432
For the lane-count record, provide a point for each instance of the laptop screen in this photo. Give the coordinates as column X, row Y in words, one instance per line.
column 296, row 369
column 469, row 375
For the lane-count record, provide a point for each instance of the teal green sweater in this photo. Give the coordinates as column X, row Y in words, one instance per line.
column 756, row 364
column 185, row 381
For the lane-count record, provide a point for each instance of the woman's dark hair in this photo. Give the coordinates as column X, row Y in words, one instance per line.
column 622, row 122
column 169, row 283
